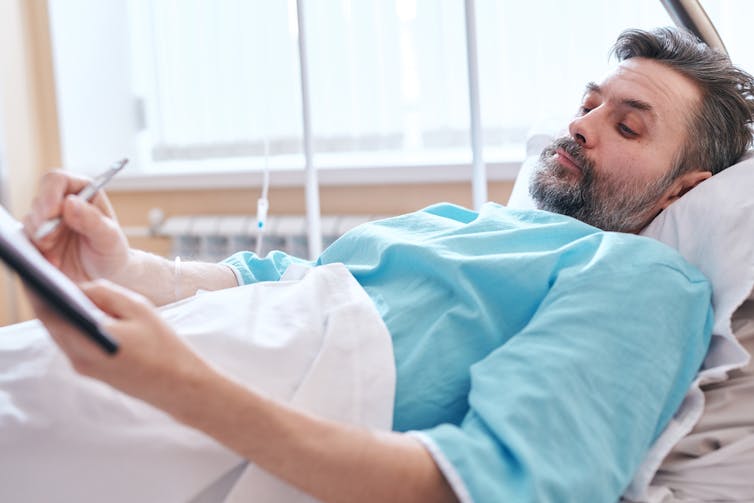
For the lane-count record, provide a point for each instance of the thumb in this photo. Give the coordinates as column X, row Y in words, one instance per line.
column 117, row 301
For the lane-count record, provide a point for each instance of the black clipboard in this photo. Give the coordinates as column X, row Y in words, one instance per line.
column 50, row 284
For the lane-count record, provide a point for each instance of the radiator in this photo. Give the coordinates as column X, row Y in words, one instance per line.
column 213, row 238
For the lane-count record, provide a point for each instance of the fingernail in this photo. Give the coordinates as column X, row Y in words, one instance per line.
column 74, row 202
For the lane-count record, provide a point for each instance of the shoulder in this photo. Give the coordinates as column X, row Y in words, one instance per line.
column 616, row 253
column 587, row 250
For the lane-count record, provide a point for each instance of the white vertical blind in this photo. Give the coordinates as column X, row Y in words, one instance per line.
column 388, row 75
column 224, row 75
column 210, row 80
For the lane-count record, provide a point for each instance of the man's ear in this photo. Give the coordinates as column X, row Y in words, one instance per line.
column 683, row 184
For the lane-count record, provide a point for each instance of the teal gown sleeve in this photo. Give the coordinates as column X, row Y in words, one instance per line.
column 251, row 268
column 566, row 410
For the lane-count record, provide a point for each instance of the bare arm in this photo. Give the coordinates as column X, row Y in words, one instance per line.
column 163, row 281
column 90, row 244
column 333, row 462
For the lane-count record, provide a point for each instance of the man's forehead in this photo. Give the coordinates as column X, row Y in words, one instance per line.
column 650, row 83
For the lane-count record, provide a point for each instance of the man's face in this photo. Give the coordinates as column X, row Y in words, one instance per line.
column 612, row 170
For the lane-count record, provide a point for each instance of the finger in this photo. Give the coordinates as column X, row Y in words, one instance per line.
column 65, row 335
column 88, row 220
column 117, row 301
column 53, row 187
column 46, row 242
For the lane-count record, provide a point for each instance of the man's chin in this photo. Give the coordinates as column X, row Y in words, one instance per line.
column 556, row 192
column 554, row 180
column 562, row 174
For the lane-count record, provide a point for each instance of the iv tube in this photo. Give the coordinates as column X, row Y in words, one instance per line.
column 263, row 203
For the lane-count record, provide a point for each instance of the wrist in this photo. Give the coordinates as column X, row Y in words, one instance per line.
column 128, row 271
column 147, row 274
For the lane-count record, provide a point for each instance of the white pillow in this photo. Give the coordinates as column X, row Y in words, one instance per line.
column 520, row 197
column 712, row 226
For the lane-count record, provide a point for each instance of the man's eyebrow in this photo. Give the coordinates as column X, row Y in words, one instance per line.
column 592, row 87
column 640, row 105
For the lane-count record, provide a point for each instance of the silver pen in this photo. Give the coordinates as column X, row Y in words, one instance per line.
column 86, row 194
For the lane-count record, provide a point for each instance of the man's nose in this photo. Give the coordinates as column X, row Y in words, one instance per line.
column 582, row 130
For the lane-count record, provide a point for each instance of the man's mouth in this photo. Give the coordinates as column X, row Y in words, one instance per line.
column 567, row 161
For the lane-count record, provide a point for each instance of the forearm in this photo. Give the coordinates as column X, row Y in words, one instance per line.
column 333, row 462
column 163, row 281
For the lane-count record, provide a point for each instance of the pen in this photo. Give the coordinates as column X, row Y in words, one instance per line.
column 86, row 194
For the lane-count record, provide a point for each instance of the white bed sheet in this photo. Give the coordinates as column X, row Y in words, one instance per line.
column 317, row 343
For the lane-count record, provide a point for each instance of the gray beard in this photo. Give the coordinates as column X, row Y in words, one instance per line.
column 595, row 199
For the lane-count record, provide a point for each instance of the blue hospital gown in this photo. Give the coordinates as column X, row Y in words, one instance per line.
column 538, row 357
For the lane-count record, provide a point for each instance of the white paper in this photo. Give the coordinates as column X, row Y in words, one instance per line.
column 12, row 230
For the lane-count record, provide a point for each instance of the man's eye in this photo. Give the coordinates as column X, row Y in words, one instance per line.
column 627, row 131
column 583, row 110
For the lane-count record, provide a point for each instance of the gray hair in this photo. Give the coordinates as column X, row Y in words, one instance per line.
column 720, row 130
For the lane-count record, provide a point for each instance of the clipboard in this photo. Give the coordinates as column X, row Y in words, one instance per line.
column 50, row 284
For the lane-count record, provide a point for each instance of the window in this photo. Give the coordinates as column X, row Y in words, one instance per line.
column 218, row 80
column 536, row 57
column 209, row 86
column 729, row 18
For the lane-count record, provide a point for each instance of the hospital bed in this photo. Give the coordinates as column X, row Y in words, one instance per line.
column 56, row 426
column 712, row 226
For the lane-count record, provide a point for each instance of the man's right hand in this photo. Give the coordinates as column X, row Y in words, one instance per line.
column 88, row 244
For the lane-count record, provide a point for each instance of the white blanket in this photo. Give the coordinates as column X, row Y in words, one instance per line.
column 316, row 343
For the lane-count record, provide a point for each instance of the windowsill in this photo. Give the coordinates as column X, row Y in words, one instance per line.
column 332, row 170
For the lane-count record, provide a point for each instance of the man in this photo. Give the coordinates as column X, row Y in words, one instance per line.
column 533, row 361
